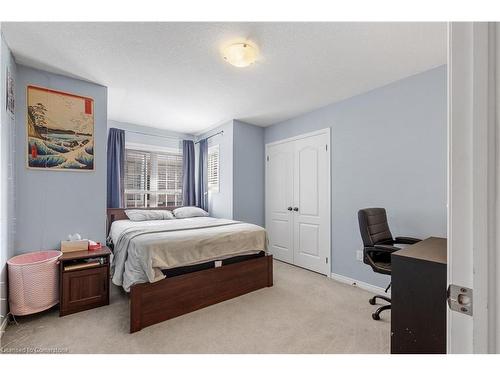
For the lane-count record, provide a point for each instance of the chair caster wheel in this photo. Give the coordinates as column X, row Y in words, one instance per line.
column 375, row 316
column 372, row 301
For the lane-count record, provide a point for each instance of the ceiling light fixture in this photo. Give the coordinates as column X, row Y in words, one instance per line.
column 240, row 54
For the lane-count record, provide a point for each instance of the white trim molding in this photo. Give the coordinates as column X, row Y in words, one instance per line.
column 360, row 284
column 152, row 148
column 473, row 184
column 300, row 136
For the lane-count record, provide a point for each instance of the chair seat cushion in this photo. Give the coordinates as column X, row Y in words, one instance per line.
column 383, row 267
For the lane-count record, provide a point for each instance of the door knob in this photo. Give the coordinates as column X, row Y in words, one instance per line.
column 289, row 208
column 295, row 209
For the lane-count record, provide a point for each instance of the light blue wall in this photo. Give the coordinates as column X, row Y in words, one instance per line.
column 155, row 137
column 51, row 204
column 388, row 150
column 221, row 203
column 7, row 174
column 248, row 173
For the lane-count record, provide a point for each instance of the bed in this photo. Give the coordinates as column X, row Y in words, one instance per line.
column 172, row 267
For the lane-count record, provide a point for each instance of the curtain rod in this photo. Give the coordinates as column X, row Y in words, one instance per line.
column 153, row 135
column 171, row 136
column 213, row 135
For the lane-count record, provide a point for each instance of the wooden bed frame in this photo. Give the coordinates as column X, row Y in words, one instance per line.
column 151, row 303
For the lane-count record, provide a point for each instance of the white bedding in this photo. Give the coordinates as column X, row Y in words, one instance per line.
column 142, row 249
column 119, row 226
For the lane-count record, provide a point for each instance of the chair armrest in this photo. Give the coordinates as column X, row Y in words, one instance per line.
column 386, row 242
column 385, row 248
column 407, row 240
column 378, row 250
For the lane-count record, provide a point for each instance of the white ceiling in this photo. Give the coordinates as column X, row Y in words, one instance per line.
column 172, row 75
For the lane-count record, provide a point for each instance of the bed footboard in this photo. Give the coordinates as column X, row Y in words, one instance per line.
column 151, row 303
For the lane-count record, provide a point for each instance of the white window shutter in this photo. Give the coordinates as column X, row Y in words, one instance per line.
column 153, row 179
column 213, row 169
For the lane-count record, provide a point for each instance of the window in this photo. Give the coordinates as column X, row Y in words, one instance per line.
column 153, row 179
column 213, row 169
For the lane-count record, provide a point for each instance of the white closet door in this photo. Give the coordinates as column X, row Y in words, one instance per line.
column 279, row 200
column 311, row 215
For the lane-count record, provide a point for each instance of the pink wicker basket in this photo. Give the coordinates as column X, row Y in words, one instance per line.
column 33, row 282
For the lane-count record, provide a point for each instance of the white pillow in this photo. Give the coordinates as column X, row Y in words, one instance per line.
column 190, row 211
column 142, row 215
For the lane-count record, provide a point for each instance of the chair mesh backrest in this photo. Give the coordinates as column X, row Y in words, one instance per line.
column 373, row 226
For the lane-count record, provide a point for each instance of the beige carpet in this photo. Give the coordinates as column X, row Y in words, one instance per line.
column 302, row 313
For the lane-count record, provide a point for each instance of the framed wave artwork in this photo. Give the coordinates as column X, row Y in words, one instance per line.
column 60, row 130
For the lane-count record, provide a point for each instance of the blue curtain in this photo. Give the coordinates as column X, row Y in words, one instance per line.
column 202, row 199
column 188, row 184
column 116, row 165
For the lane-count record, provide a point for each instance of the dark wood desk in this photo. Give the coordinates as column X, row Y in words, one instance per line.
column 418, row 317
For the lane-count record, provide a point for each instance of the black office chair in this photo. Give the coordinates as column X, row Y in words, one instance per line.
column 378, row 246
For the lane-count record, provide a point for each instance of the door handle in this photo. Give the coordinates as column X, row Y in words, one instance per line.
column 289, row 208
column 295, row 209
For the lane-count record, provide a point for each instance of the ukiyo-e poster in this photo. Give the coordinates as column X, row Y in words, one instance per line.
column 60, row 130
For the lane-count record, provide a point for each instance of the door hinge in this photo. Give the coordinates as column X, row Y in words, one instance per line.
column 460, row 299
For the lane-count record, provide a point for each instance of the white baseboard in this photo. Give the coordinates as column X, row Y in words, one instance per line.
column 360, row 284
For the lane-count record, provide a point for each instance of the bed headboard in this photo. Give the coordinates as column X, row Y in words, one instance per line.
column 114, row 214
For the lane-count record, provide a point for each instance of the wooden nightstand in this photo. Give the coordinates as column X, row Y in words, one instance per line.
column 83, row 280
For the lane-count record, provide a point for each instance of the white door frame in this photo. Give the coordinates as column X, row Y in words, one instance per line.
column 329, row 199
column 300, row 136
column 473, row 172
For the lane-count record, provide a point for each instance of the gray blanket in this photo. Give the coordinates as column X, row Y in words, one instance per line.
column 143, row 249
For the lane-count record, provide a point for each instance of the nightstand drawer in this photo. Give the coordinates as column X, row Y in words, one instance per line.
column 84, row 289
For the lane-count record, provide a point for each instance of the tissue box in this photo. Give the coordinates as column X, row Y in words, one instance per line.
column 69, row 246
